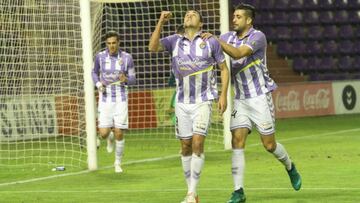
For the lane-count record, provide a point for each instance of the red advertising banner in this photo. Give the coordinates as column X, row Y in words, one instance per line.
column 300, row 100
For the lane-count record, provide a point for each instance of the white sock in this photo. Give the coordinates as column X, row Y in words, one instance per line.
column 186, row 164
column 281, row 154
column 119, row 150
column 197, row 163
column 238, row 167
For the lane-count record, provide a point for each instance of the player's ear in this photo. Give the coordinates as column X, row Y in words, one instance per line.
column 248, row 20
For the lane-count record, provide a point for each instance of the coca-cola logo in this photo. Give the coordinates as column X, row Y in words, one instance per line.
column 288, row 102
column 318, row 100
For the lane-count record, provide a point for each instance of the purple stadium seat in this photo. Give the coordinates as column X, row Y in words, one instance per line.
column 280, row 18
column 312, row 64
column 299, row 48
column 327, row 64
column 298, row 32
column 345, row 63
column 346, row 47
column 313, row 48
column 356, row 64
column 356, row 47
column 300, row 64
column 311, row 4
column 326, row 17
column 330, row 32
column 311, row 17
column 296, row 4
column 269, row 32
column 341, row 16
column 330, row 47
column 354, row 4
column 354, row 17
column 315, row 32
column 357, row 31
column 340, row 4
column 326, row 4
column 266, row 18
column 283, row 33
column 346, row 32
column 295, row 18
column 284, row 48
column 281, row 4
column 266, row 5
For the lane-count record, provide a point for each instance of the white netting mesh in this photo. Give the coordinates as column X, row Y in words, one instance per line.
column 135, row 21
column 41, row 80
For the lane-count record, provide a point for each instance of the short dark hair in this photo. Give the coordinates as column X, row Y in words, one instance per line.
column 249, row 10
column 112, row 33
column 197, row 11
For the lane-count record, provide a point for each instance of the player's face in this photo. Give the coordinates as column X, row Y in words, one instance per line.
column 112, row 43
column 192, row 19
column 240, row 21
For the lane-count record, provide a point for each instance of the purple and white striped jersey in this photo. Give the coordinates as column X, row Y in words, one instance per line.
column 193, row 64
column 107, row 69
column 250, row 74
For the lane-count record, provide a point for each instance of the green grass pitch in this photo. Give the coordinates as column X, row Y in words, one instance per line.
column 325, row 150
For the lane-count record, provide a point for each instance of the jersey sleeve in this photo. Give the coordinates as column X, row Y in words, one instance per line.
column 96, row 70
column 217, row 51
column 256, row 41
column 169, row 42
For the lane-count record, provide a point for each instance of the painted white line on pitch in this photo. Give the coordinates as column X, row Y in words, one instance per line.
column 167, row 157
column 171, row 190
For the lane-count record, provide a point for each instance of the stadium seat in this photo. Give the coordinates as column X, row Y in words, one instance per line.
column 345, row 63
column 312, row 64
column 295, row 18
column 356, row 63
column 357, row 31
column 356, row 47
column 284, row 48
column 326, row 17
column 346, row 32
column 266, row 5
column 315, row 32
column 266, row 18
column 299, row 64
column 311, row 5
column 327, row 64
column 283, row 32
column 296, row 4
column 298, row 32
column 330, row 47
column 281, row 4
column 313, row 48
column 340, row 4
column 280, row 18
column 312, row 17
column 354, row 17
column 354, row 4
column 341, row 16
column 330, row 32
column 326, row 4
column 346, row 47
column 254, row 3
column 299, row 48
column 269, row 32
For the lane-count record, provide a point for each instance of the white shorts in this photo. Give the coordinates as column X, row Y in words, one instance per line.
column 192, row 119
column 258, row 110
column 113, row 114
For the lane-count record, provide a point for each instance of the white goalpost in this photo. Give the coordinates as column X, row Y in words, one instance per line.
column 47, row 97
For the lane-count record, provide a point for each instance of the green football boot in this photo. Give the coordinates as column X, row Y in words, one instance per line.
column 295, row 177
column 237, row 196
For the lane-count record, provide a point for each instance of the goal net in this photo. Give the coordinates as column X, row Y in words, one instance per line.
column 41, row 84
column 42, row 79
column 149, row 104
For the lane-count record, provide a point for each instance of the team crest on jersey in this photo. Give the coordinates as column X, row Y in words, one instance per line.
column 120, row 61
column 253, row 43
column 202, row 45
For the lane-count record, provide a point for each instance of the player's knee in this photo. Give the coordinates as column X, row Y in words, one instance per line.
column 270, row 147
column 237, row 143
column 186, row 151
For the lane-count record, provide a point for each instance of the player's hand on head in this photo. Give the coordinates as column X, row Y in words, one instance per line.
column 165, row 16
